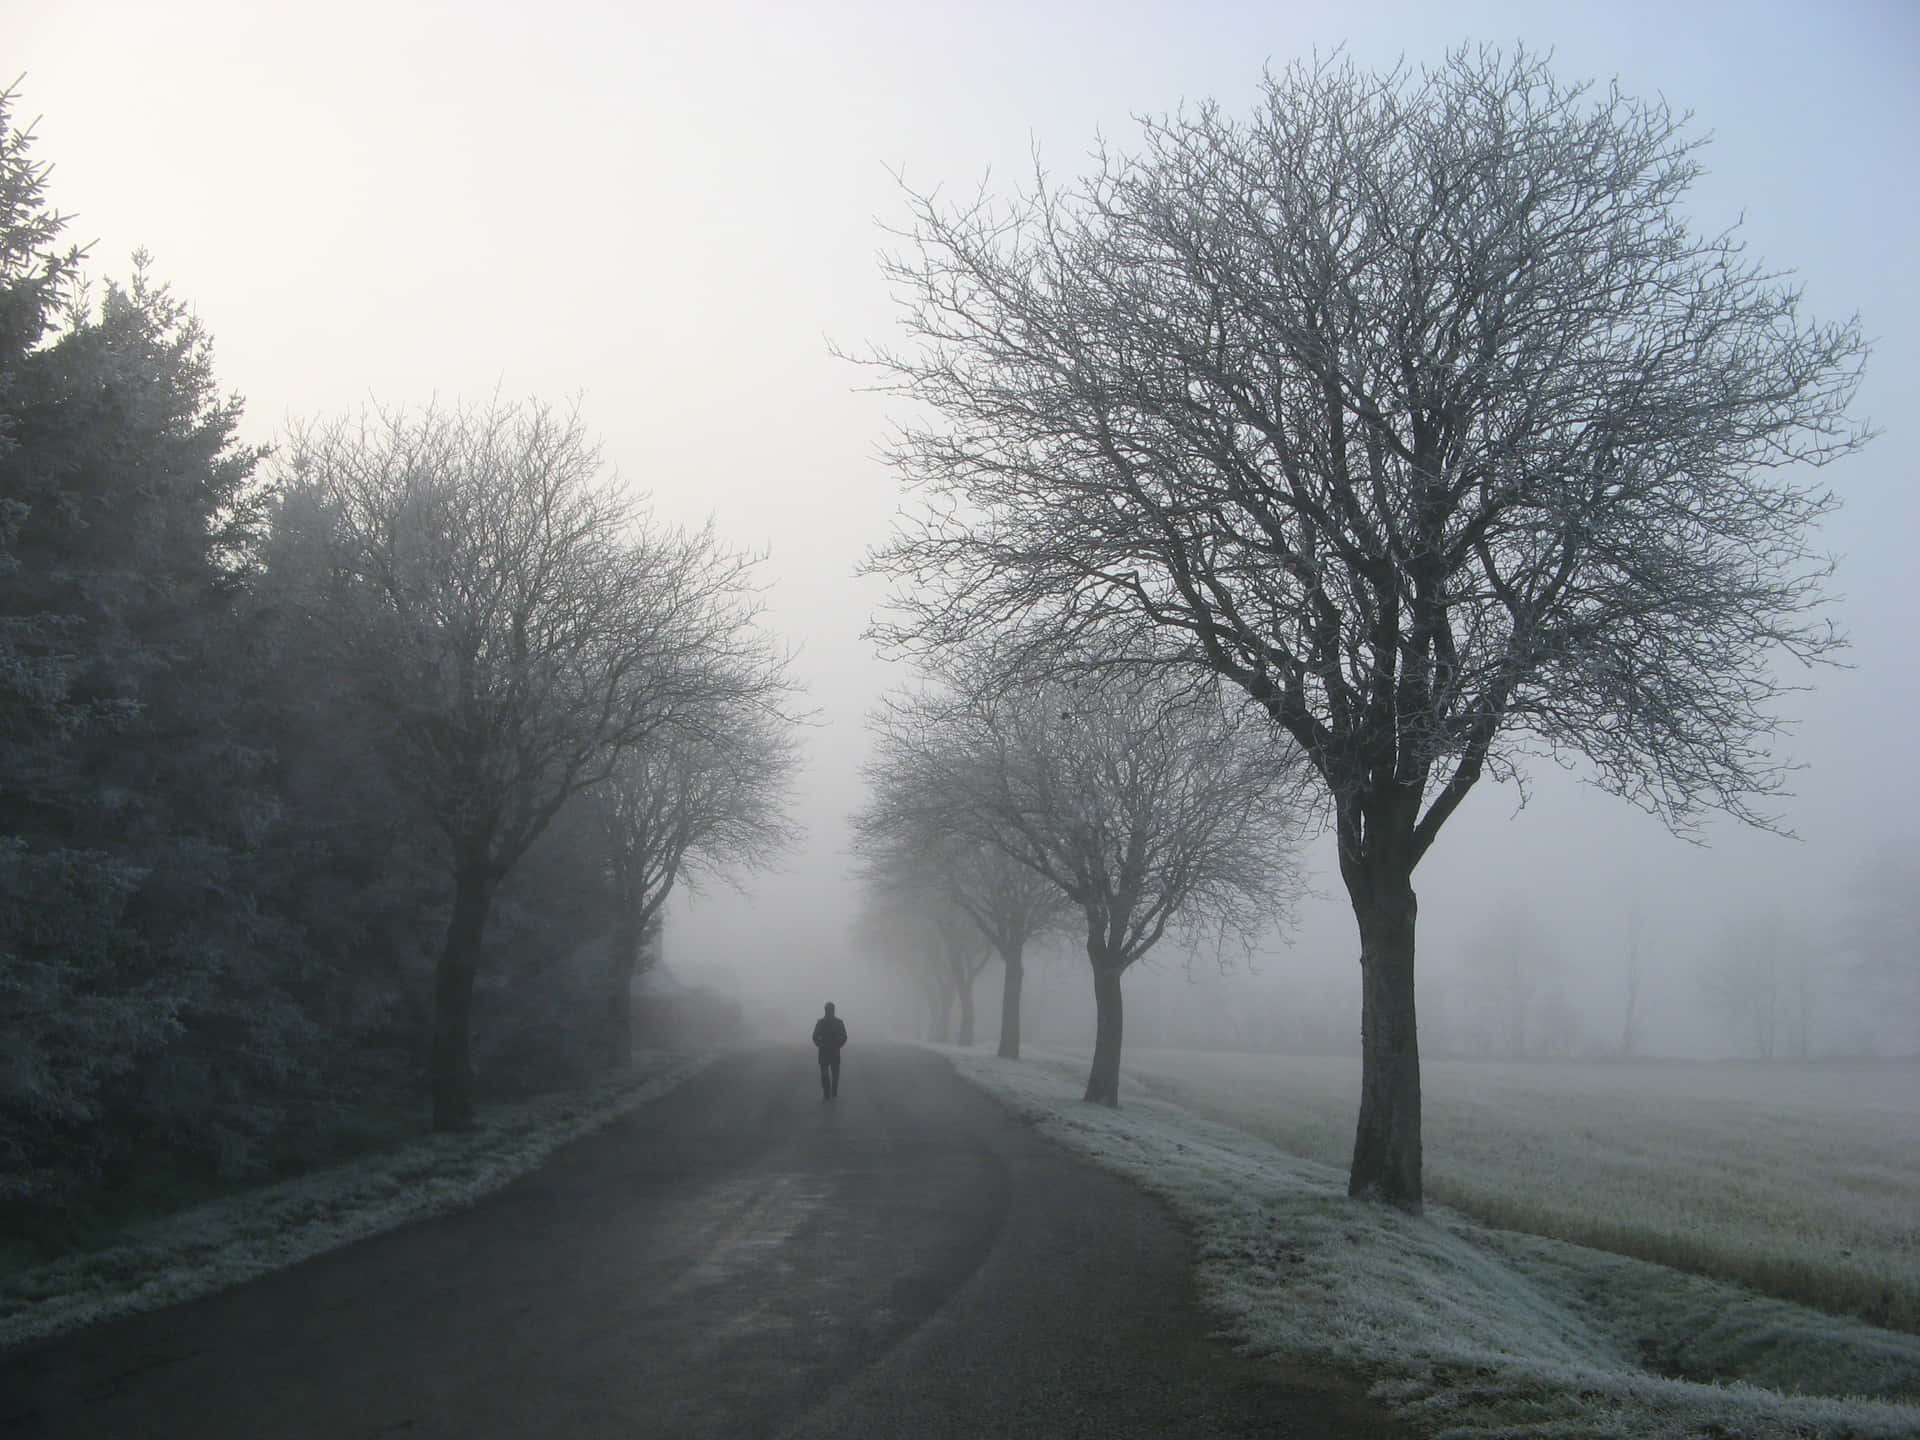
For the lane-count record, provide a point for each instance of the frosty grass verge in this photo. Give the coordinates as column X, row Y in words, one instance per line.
column 1799, row 1180
column 1468, row 1331
column 233, row 1240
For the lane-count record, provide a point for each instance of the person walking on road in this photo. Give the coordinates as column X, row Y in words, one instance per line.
column 829, row 1034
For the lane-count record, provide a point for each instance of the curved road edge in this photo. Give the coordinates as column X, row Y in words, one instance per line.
column 227, row 1242
column 1043, row 1101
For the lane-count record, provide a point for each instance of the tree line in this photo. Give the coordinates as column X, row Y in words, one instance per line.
column 331, row 773
column 1113, row 808
column 1411, row 409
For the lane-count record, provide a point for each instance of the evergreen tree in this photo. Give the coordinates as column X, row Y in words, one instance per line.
column 141, row 1009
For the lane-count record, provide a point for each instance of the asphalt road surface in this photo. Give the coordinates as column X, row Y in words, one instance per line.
column 738, row 1259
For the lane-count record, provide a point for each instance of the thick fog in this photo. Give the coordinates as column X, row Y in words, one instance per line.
column 673, row 213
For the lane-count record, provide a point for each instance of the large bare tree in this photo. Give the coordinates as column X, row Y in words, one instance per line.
column 1145, row 803
column 492, row 592
column 1412, row 405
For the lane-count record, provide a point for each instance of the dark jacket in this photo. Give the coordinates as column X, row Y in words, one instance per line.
column 829, row 1032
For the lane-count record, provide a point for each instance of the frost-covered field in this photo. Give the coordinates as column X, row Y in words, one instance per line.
column 235, row 1239
column 1471, row 1331
column 1800, row 1180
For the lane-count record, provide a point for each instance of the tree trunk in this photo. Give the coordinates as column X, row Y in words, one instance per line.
column 1386, row 1145
column 626, row 960
column 1010, row 1004
column 1803, row 1023
column 1629, row 1030
column 452, row 1067
column 963, row 982
column 940, row 1011
column 1103, row 1081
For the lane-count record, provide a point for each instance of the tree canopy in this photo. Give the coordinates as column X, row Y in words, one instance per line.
column 506, row 608
column 1146, row 804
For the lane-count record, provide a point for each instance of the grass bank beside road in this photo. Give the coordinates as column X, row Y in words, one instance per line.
column 229, row 1241
column 1799, row 1180
column 1467, row 1330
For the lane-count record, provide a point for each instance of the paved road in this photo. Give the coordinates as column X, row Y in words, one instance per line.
column 738, row 1259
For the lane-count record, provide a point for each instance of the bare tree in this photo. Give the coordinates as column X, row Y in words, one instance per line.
column 1760, row 978
column 1012, row 906
column 1882, row 931
column 1556, row 1030
column 1007, row 902
column 1146, row 805
column 517, row 622
column 887, row 933
column 1411, row 405
column 697, row 800
column 910, row 918
column 1505, row 957
column 963, row 953
column 1630, row 1022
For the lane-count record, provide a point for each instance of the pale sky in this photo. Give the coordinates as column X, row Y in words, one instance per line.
column 671, row 211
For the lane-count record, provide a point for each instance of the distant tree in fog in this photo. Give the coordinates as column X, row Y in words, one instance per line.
column 1411, row 405
column 1008, row 903
column 518, row 624
column 1149, row 806
column 693, row 800
column 1631, row 1020
column 1882, row 932
column 910, row 921
column 1760, row 979
column 1506, row 961
column 1556, row 1027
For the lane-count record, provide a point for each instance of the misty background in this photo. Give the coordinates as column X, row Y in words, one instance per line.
column 673, row 212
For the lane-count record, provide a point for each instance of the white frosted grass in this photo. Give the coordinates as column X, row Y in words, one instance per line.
column 235, row 1239
column 1800, row 1180
column 1466, row 1330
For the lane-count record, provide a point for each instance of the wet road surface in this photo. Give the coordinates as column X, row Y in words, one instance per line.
column 737, row 1259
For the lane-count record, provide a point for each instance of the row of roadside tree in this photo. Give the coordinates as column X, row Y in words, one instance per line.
column 1386, row 436
column 329, row 771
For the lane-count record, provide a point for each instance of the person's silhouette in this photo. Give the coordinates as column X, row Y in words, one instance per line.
column 829, row 1034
